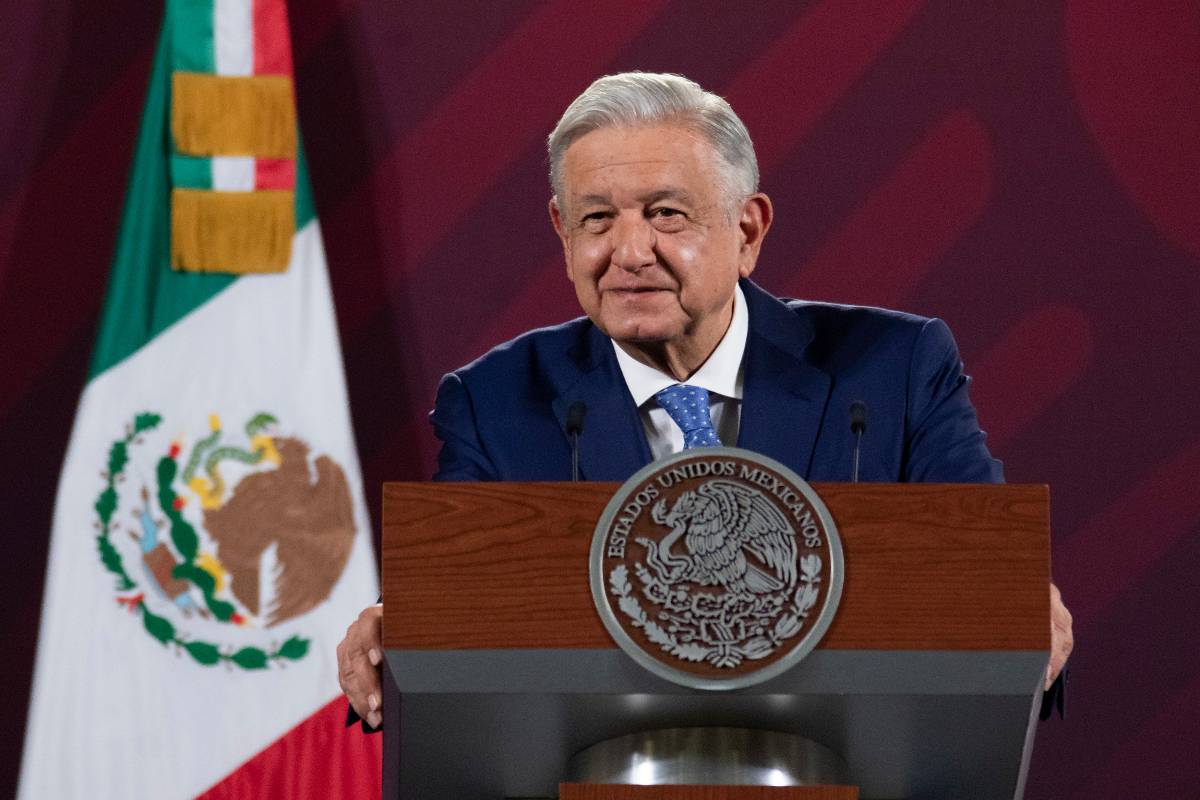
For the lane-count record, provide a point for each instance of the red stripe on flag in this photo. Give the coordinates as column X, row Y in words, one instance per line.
column 887, row 245
column 1116, row 548
column 320, row 757
column 275, row 173
column 1044, row 354
column 272, row 44
column 782, row 94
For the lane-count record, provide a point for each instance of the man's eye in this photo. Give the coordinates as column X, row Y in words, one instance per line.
column 668, row 220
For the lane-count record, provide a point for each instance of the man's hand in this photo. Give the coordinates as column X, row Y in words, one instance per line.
column 359, row 656
column 1061, row 640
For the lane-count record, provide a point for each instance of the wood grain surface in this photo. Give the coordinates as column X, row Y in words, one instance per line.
column 596, row 791
column 505, row 565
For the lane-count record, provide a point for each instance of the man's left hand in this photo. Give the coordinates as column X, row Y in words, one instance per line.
column 1061, row 639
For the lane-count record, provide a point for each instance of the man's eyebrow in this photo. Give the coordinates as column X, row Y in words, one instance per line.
column 669, row 193
column 591, row 200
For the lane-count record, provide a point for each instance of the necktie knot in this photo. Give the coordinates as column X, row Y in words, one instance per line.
column 688, row 407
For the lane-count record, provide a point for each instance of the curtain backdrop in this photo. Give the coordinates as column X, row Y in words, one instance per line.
column 1027, row 171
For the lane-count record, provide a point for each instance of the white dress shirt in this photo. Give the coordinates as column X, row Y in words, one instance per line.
column 721, row 375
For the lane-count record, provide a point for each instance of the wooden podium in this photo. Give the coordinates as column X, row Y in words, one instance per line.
column 927, row 684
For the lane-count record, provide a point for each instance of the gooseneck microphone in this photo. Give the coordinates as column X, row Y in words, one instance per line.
column 575, row 414
column 858, row 426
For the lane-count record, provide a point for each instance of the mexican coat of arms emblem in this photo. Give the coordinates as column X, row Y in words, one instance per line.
column 716, row 568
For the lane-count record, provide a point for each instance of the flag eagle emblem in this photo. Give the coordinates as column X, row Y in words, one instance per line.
column 220, row 541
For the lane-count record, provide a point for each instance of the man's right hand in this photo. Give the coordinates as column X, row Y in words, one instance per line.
column 359, row 656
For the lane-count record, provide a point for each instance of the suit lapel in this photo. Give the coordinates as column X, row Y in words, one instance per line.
column 783, row 404
column 784, row 395
column 613, row 444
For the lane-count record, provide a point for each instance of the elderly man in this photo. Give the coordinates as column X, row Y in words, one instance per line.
column 656, row 203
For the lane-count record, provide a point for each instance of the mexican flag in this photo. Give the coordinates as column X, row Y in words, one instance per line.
column 210, row 541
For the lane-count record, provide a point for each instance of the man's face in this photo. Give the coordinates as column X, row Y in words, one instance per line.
column 651, row 244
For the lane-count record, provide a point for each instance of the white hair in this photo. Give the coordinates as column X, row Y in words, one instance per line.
column 636, row 99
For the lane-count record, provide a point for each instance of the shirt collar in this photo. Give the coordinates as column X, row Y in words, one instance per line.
column 719, row 374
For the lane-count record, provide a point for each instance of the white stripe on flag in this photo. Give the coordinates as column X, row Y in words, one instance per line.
column 233, row 173
column 233, row 31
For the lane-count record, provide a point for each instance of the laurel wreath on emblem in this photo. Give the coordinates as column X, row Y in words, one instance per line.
column 764, row 622
column 190, row 568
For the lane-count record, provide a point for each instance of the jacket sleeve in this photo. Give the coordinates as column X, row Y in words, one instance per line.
column 353, row 717
column 1055, row 698
column 943, row 442
column 463, row 456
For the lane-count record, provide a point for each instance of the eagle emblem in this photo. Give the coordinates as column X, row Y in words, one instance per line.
column 716, row 568
column 733, row 536
column 221, row 542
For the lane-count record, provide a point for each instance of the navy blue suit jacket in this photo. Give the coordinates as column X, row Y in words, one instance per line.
column 503, row 417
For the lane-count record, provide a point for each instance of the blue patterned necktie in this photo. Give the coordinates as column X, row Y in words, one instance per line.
column 688, row 406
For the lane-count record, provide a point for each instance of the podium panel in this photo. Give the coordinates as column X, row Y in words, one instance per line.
column 927, row 683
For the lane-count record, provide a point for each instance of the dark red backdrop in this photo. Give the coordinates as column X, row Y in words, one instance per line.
column 1028, row 171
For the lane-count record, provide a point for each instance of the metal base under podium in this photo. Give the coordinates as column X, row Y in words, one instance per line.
column 477, row 724
column 712, row 756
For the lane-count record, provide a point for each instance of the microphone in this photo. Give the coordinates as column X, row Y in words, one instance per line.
column 575, row 415
column 858, row 426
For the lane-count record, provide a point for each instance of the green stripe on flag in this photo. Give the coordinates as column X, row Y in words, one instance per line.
column 306, row 210
column 191, row 172
column 190, row 23
column 145, row 296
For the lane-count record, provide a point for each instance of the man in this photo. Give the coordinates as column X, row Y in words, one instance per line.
column 656, row 203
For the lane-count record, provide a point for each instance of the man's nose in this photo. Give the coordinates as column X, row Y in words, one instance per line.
column 633, row 244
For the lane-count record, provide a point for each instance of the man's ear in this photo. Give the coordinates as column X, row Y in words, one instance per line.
column 560, row 228
column 754, row 222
